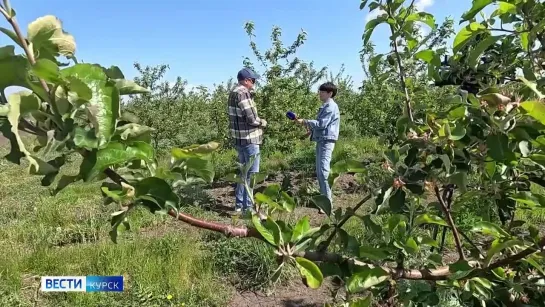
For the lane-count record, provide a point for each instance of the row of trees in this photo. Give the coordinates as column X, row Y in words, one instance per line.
column 485, row 141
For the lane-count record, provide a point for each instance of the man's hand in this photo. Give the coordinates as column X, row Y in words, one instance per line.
column 300, row 121
column 263, row 123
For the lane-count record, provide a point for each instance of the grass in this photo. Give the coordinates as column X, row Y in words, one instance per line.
column 68, row 235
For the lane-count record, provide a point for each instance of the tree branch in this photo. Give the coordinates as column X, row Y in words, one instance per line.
column 451, row 223
column 324, row 245
column 408, row 106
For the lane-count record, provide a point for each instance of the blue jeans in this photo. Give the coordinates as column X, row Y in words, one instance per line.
column 324, row 151
column 243, row 198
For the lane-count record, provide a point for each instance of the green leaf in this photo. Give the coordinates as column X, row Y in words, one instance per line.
column 475, row 54
column 128, row 87
column 97, row 161
column 497, row 246
column 301, row 228
column 363, row 4
column 362, row 302
column 506, row 7
column 370, row 27
column 141, row 150
column 159, row 191
column 270, row 231
column 488, row 228
column 426, row 240
column 322, row 202
column 373, row 253
column 529, row 198
column 85, row 138
column 478, row 5
column 369, row 224
column 430, row 219
column 103, row 107
column 411, row 246
column 367, row 278
column 117, row 219
column 423, row 17
column 310, row 272
column 202, row 168
column 465, row 34
column 498, row 148
column 533, row 87
column 535, row 109
column 11, row 35
column 47, row 70
column 457, row 133
column 427, row 56
column 287, row 202
column 460, row 180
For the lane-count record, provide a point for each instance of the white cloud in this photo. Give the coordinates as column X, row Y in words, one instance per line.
column 422, row 5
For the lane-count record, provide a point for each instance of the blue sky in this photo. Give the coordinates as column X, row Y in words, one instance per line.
column 204, row 42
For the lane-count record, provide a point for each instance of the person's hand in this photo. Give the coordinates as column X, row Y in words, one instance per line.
column 263, row 123
column 300, row 121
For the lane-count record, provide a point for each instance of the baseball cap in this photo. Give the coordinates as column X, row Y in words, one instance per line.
column 247, row 73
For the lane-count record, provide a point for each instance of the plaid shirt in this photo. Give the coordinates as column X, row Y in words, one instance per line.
column 244, row 123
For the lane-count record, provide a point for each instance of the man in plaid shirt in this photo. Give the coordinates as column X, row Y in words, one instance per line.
column 246, row 131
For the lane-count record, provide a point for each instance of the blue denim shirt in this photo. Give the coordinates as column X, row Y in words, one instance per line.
column 326, row 126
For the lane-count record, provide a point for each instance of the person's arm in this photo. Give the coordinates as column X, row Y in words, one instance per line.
column 250, row 112
column 323, row 120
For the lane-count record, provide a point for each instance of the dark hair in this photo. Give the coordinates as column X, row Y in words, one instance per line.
column 328, row 87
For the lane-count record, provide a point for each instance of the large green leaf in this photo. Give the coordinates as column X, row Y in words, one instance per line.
column 475, row 54
column 478, row 5
column 535, row 109
column 488, row 228
column 21, row 103
column 529, row 198
column 498, row 148
column 367, row 278
column 465, row 34
column 310, row 272
column 202, row 168
column 322, row 202
column 128, row 87
column 373, row 253
column 423, row 17
column 300, row 229
column 11, row 35
column 97, row 161
column 430, row 219
column 158, row 191
column 103, row 107
column 47, row 70
column 370, row 27
column 270, row 231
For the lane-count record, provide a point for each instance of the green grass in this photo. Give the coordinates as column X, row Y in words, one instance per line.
column 68, row 235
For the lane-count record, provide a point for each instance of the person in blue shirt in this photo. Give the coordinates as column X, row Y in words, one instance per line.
column 325, row 132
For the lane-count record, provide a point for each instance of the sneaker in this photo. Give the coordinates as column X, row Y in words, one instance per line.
column 238, row 209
